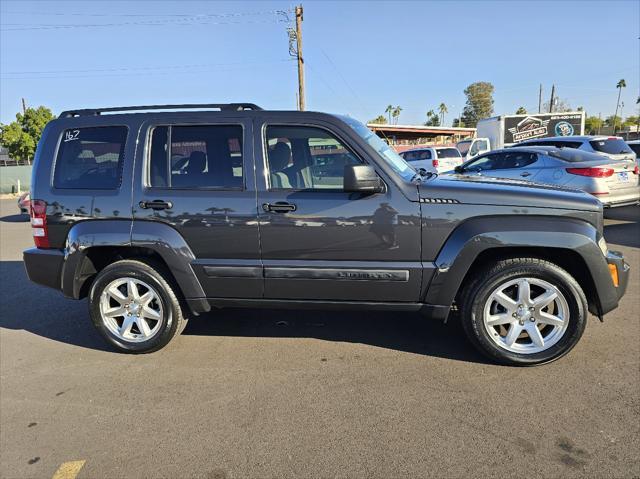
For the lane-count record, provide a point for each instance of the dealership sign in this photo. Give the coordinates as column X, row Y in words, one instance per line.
column 525, row 127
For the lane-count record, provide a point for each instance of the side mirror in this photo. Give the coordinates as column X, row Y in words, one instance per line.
column 459, row 169
column 362, row 179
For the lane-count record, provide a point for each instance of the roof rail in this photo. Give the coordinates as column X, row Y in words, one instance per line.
column 220, row 106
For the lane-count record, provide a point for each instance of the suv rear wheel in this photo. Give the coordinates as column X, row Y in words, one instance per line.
column 524, row 311
column 134, row 307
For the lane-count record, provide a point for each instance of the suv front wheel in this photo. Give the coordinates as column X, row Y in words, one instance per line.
column 524, row 311
column 134, row 307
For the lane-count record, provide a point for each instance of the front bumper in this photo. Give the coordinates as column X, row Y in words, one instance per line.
column 615, row 258
column 44, row 266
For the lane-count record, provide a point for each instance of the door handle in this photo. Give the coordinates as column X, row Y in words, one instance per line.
column 525, row 174
column 279, row 207
column 156, row 205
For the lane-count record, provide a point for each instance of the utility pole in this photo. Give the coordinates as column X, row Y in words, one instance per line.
column 540, row 99
column 599, row 121
column 24, row 107
column 300, row 58
column 553, row 93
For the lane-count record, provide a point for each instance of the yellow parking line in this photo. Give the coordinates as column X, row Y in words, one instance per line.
column 68, row 470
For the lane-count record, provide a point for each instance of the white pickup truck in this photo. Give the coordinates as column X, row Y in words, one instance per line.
column 507, row 130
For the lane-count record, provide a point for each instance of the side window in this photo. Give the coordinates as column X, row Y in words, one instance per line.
column 487, row 162
column 306, row 158
column 200, row 156
column 417, row 155
column 90, row 158
column 517, row 159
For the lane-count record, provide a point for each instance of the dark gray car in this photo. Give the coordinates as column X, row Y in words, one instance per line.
column 159, row 216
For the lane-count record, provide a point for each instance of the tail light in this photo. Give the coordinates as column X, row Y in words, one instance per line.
column 592, row 172
column 39, row 223
column 636, row 170
column 435, row 163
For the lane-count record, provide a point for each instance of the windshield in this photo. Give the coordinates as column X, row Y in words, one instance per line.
column 463, row 147
column 387, row 153
column 611, row 146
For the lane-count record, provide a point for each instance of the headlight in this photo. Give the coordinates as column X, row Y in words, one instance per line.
column 603, row 246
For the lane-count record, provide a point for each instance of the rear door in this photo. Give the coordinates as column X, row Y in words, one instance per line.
column 196, row 176
column 320, row 242
column 448, row 159
column 519, row 165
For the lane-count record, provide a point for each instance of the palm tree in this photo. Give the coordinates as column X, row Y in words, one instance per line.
column 396, row 113
column 442, row 109
column 620, row 85
column 389, row 112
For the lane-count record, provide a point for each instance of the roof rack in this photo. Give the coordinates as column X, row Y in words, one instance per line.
column 220, row 106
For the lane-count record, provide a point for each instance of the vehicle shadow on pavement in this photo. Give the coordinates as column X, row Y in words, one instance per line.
column 15, row 218
column 407, row 332
column 626, row 233
column 45, row 312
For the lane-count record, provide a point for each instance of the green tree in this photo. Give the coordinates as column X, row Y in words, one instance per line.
column 389, row 111
column 620, row 85
column 613, row 120
column 21, row 136
column 592, row 125
column 521, row 111
column 380, row 120
column 479, row 103
column 443, row 111
column 396, row 114
column 630, row 121
column 432, row 119
column 458, row 123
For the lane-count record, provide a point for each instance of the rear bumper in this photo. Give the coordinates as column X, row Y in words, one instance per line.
column 44, row 266
column 621, row 197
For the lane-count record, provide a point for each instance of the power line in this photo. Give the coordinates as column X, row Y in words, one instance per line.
column 144, row 68
column 138, row 73
column 191, row 20
column 148, row 24
column 218, row 15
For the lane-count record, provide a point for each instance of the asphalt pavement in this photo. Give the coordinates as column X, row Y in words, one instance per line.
column 255, row 393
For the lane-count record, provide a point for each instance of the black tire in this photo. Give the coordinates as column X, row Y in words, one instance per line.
column 478, row 290
column 171, row 324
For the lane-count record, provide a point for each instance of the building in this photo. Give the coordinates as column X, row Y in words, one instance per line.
column 404, row 137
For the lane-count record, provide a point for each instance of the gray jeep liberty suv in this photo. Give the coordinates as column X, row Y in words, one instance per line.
column 157, row 213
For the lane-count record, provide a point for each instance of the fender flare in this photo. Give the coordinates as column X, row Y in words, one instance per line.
column 155, row 236
column 477, row 235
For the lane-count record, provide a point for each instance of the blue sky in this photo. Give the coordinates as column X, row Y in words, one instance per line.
column 360, row 56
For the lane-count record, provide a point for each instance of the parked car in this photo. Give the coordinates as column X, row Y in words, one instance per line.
column 23, row 203
column 610, row 146
column 434, row 159
column 635, row 147
column 260, row 215
column 473, row 147
column 614, row 183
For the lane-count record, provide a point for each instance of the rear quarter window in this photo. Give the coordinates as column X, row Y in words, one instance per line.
column 90, row 158
column 417, row 155
column 611, row 146
column 448, row 153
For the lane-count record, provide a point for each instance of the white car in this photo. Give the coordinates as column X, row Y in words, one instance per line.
column 612, row 147
column 434, row 159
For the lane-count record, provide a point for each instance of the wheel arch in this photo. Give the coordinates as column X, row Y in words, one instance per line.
column 571, row 243
column 92, row 245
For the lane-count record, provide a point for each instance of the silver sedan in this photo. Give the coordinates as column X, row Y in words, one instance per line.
column 613, row 182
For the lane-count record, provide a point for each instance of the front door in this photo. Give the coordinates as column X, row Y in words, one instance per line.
column 197, row 178
column 321, row 243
